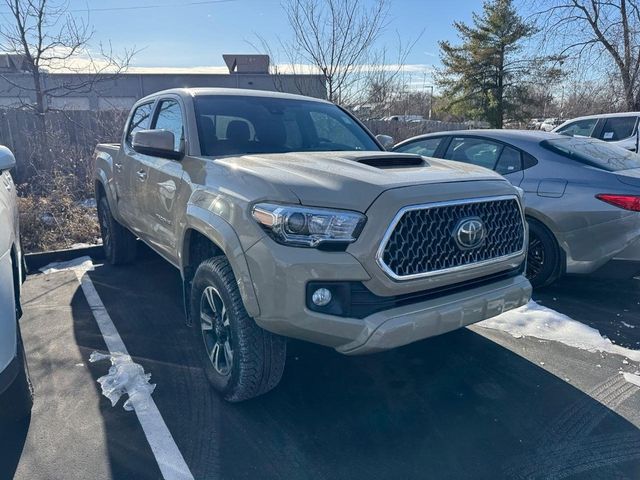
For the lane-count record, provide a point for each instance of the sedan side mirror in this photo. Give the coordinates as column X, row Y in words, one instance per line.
column 386, row 141
column 7, row 160
column 156, row 143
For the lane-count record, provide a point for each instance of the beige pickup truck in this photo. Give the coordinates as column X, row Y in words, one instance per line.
column 286, row 218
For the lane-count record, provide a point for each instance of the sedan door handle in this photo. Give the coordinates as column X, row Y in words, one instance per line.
column 142, row 175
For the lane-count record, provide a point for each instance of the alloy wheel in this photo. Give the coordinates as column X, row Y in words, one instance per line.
column 216, row 331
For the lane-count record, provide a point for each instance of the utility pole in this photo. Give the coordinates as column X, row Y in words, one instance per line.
column 430, row 100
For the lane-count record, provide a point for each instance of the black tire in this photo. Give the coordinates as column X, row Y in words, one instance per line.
column 543, row 259
column 17, row 400
column 120, row 245
column 257, row 356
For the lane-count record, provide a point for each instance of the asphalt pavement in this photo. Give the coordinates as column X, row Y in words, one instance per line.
column 475, row 403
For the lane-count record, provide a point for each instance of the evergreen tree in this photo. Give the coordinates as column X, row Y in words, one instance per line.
column 485, row 77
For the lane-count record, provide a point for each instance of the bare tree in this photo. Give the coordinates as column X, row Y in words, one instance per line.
column 602, row 33
column 50, row 39
column 335, row 37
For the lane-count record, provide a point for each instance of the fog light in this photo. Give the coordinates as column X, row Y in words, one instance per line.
column 321, row 297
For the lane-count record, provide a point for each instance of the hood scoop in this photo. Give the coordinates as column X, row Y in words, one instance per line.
column 394, row 161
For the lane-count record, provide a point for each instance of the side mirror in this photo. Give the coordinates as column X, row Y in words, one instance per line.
column 386, row 141
column 7, row 160
column 156, row 143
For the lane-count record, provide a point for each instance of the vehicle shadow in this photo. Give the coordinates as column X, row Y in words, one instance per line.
column 13, row 436
column 608, row 305
column 455, row 406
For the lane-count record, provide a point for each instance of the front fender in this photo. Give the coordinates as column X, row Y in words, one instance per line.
column 222, row 234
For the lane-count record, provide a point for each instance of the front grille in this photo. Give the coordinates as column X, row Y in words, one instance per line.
column 423, row 239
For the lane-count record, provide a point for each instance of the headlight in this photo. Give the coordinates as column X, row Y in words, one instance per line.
column 308, row 227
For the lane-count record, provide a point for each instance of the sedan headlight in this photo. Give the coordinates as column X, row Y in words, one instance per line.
column 308, row 227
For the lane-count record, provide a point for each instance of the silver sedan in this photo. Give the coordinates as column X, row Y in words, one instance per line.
column 582, row 195
column 15, row 387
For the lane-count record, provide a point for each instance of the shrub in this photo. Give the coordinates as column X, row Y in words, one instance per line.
column 56, row 218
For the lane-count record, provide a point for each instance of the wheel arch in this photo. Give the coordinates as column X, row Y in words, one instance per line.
column 544, row 222
column 207, row 235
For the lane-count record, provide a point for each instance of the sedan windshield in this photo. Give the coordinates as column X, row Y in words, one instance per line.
column 233, row 125
column 594, row 152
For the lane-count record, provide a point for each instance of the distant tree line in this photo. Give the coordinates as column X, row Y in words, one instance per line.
column 569, row 57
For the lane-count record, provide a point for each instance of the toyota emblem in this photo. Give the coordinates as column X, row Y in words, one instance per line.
column 469, row 233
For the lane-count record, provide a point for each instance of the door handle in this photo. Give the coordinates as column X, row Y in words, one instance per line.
column 142, row 175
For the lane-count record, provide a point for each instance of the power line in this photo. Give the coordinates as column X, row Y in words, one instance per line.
column 144, row 7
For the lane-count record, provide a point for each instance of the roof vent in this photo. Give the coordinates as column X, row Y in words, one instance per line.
column 247, row 63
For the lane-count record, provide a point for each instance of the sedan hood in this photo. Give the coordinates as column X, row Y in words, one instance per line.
column 353, row 180
column 630, row 177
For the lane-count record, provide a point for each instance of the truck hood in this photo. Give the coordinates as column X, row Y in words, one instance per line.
column 341, row 180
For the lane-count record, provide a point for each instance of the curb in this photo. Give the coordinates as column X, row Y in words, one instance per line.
column 35, row 261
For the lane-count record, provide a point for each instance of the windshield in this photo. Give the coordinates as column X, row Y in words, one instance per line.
column 232, row 125
column 594, row 152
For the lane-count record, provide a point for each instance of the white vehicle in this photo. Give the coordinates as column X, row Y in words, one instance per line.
column 617, row 128
column 404, row 118
column 15, row 387
column 535, row 123
column 549, row 124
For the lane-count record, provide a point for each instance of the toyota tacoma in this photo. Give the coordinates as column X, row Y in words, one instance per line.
column 287, row 218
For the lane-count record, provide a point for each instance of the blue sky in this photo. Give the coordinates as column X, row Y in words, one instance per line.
column 175, row 34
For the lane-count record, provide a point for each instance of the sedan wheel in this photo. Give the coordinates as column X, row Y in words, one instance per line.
column 535, row 260
column 543, row 258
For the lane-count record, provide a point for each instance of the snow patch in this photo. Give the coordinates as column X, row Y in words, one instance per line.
column 632, row 378
column 533, row 320
column 88, row 203
column 80, row 264
column 125, row 376
column 77, row 246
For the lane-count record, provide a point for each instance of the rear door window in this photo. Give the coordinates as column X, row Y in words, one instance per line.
column 582, row 128
column 478, row 151
column 510, row 161
column 617, row 128
column 426, row 147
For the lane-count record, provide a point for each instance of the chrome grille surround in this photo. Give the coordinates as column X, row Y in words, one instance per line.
column 510, row 230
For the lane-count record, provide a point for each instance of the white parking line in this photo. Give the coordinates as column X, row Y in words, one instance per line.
column 164, row 448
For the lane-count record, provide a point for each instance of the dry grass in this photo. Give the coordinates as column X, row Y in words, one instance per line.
column 55, row 174
column 55, row 219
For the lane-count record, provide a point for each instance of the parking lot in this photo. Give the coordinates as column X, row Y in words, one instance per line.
column 475, row 403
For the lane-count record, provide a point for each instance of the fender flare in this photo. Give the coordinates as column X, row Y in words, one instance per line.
column 104, row 176
column 221, row 234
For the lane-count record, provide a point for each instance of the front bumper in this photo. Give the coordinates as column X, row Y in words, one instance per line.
column 400, row 326
column 280, row 275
